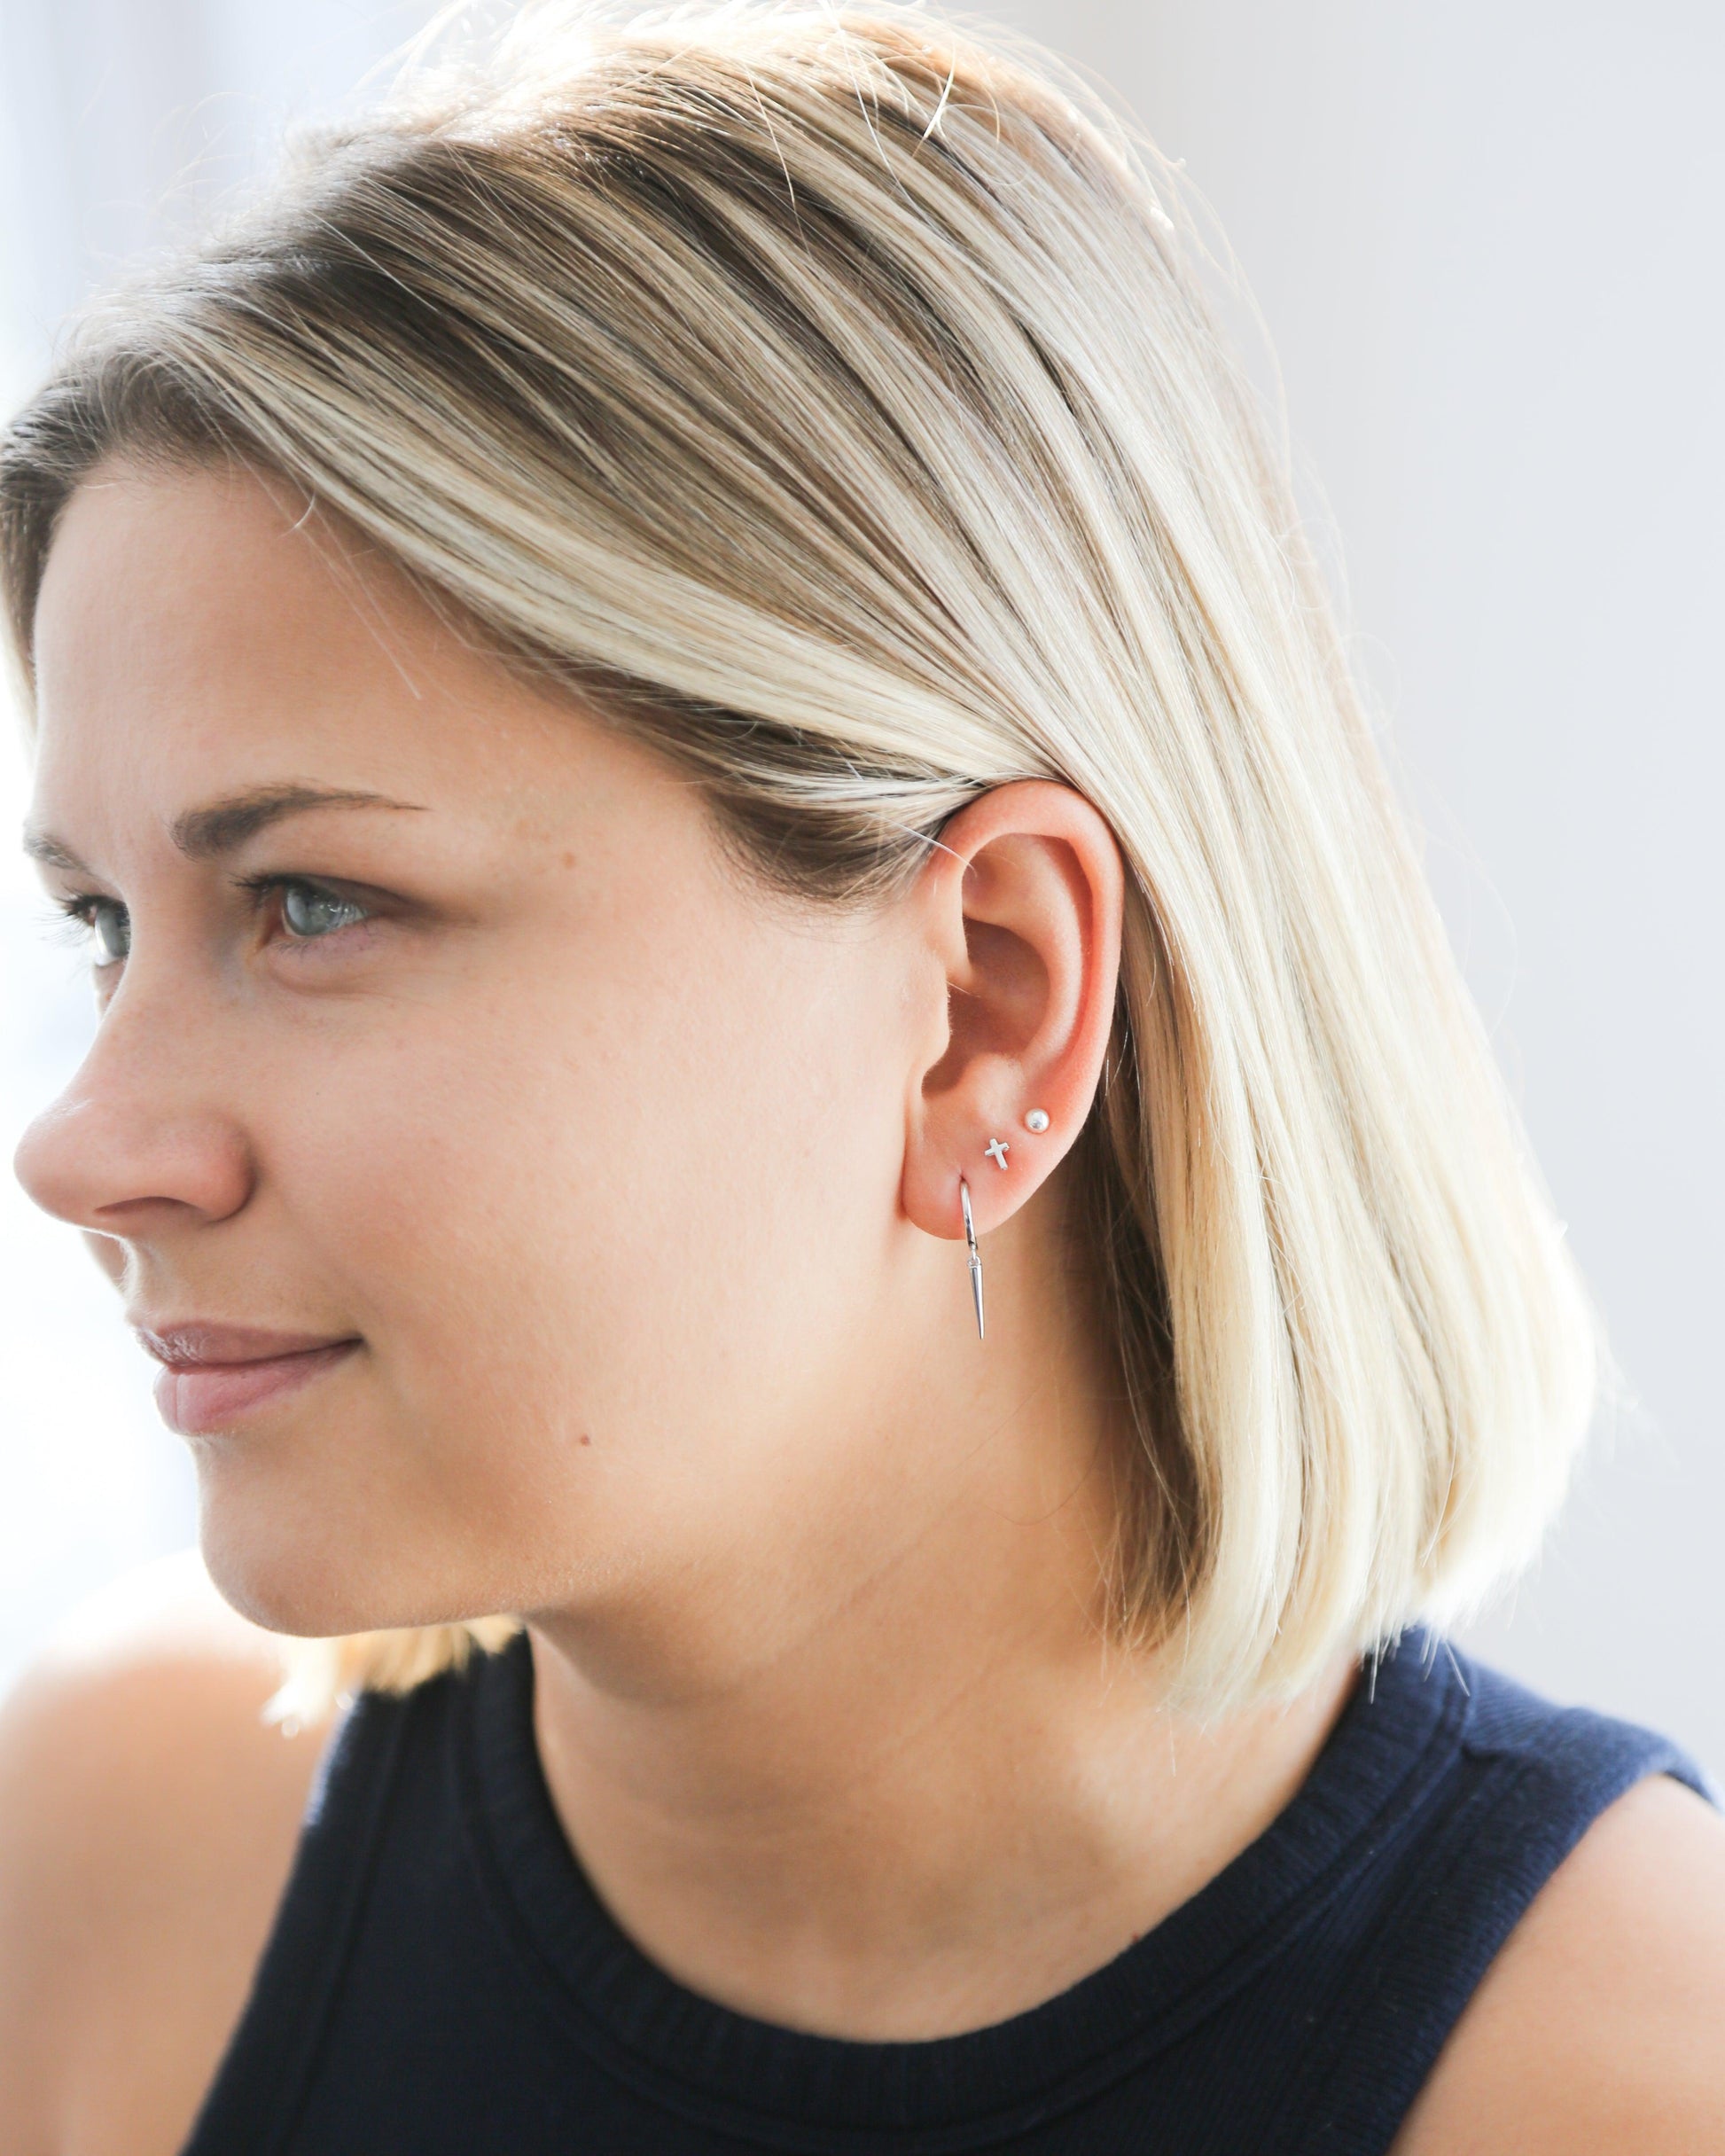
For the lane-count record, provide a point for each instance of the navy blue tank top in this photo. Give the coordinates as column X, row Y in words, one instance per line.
column 443, row 1982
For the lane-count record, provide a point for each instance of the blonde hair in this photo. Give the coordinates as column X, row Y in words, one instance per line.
column 830, row 397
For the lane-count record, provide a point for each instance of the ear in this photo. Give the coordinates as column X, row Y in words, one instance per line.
column 1020, row 906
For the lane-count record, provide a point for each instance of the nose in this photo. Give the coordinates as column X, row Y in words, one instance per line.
column 138, row 1137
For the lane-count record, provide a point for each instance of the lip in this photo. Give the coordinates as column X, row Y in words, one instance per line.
column 214, row 1375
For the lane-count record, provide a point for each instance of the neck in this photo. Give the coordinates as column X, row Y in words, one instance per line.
column 932, row 1796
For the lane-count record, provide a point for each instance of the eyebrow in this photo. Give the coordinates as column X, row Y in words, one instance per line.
column 220, row 826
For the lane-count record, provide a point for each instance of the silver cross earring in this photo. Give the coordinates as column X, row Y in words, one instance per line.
column 975, row 1254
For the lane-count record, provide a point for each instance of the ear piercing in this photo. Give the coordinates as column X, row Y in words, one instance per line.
column 997, row 1150
column 975, row 1254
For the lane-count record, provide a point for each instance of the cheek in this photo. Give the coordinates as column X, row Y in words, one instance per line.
column 641, row 1211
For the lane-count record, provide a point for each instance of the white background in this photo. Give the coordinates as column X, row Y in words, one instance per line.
column 1486, row 240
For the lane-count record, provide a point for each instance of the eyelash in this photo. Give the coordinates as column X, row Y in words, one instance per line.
column 76, row 914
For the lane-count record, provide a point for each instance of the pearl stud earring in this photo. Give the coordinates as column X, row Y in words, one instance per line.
column 1037, row 1120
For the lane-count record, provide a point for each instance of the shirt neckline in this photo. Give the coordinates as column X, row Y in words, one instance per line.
column 786, row 2089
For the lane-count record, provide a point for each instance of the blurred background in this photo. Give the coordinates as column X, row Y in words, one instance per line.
column 1485, row 243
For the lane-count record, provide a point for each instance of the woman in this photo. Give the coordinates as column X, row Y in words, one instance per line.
column 807, row 1171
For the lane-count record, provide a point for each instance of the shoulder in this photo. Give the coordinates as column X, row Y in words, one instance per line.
column 148, row 1816
column 1596, row 2031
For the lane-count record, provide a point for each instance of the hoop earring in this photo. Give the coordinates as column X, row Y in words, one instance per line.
column 975, row 1254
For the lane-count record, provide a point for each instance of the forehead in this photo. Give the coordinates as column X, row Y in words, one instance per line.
column 198, row 632
column 174, row 597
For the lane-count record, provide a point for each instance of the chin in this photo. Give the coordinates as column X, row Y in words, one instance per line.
column 299, row 1542
column 293, row 1570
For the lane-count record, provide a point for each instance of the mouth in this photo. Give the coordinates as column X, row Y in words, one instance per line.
column 213, row 1376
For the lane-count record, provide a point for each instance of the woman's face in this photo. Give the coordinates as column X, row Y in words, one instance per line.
column 434, row 1027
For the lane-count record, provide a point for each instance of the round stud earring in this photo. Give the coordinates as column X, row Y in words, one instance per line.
column 1037, row 1120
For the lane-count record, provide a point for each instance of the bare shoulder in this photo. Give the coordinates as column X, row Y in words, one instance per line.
column 1599, row 2027
column 148, row 1816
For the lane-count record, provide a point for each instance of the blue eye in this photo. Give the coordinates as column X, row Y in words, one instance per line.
column 308, row 911
column 110, row 931
column 107, row 928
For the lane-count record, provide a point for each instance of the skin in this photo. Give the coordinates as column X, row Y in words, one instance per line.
column 638, row 1190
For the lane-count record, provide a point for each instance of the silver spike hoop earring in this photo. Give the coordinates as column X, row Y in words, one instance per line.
column 975, row 1254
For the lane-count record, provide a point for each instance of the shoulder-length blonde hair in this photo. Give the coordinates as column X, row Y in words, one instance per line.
column 828, row 396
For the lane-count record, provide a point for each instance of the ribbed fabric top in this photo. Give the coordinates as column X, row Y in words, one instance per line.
column 442, row 1979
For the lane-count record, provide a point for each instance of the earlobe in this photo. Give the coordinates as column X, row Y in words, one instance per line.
column 1022, row 907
